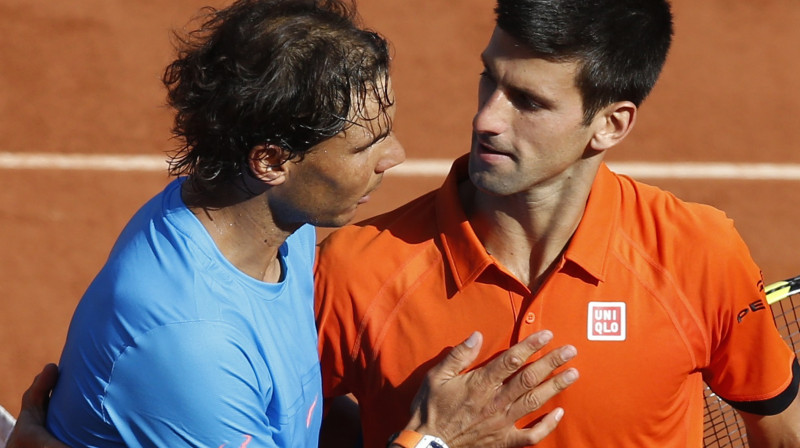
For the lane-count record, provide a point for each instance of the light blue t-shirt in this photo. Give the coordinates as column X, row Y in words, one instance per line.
column 172, row 346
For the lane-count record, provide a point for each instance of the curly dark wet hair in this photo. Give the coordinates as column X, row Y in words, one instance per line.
column 286, row 72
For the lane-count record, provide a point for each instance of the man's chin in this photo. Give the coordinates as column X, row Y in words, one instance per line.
column 337, row 221
column 490, row 183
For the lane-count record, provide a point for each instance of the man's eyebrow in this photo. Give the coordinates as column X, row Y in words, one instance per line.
column 382, row 135
column 483, row 60
column 537, row 98
column 375, row 139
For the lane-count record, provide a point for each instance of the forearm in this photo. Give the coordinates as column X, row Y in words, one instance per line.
column 774, row 431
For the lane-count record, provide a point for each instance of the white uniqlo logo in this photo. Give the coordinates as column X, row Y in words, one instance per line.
column 606, row 321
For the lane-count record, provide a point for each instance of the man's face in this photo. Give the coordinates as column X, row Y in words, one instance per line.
column 335, row 176
column 528, row 132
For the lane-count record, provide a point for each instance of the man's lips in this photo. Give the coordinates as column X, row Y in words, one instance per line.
column 366, row 196
column 486, row 149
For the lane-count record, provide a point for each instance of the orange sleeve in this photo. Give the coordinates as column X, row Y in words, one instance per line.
column 748, row 360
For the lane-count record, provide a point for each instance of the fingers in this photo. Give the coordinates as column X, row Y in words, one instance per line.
column 459, row 358
column 499, row 369
column 480, row 407
column 535, row 398
column 38, row 393
column 537, row 433
column 30, row 431
column 527, row 391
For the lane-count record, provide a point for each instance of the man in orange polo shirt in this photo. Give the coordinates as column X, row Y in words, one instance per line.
column 532, row 231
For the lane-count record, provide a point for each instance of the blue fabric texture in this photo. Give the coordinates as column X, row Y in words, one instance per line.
column 171, row 345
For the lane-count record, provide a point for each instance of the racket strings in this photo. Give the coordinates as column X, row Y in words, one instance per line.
column 787, row 319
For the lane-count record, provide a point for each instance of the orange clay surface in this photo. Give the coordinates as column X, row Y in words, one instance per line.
column 82, row 76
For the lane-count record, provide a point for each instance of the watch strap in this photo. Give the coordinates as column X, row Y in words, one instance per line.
column 406, row 438
column 413, row 439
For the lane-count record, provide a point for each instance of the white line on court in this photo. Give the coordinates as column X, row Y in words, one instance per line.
column 59, row 161
column 413, row 167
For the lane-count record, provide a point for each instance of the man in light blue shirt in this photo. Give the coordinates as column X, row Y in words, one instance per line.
column 173, row 344
column 199, row 329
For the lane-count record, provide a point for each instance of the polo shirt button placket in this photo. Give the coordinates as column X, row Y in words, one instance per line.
column 527, row 326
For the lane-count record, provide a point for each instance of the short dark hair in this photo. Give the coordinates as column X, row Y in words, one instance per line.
column 284, row 72
column 621, row 45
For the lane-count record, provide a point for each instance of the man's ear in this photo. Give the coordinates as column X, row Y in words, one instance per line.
column 612, row 124
column 267, row 163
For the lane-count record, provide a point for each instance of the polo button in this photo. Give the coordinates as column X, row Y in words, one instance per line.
column 529, row 318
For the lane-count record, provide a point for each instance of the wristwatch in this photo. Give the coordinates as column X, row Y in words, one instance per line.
column 413, row 439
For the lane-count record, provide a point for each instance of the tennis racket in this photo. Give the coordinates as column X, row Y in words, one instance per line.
column 722, row 425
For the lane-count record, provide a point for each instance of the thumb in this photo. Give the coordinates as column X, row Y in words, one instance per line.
column 459, row 358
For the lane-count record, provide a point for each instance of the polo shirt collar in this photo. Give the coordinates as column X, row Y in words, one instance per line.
column 462, row 249
column 587, row 249
column 590, row 245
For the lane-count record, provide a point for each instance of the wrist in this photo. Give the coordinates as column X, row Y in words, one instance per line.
column 412, row 439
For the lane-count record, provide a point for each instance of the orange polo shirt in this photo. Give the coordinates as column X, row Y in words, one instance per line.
column 648, row 291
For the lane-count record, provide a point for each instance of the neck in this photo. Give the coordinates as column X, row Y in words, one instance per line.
column 242, row 226
column 529, row 231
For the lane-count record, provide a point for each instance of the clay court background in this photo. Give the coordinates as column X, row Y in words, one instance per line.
column 82, row 77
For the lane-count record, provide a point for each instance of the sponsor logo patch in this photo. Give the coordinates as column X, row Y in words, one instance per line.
column 606, row 321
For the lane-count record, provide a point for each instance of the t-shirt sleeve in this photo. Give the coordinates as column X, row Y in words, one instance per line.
column 750, row 366
column 180, row 386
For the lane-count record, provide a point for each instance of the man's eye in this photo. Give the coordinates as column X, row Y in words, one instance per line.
column 486, row 81
column 524, row 102
column 486, row 76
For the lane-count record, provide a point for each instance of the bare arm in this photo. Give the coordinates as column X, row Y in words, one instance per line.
column 30, row 431
column 479, row 408
column 774, row 431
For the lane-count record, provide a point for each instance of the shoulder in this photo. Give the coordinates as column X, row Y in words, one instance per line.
column 213, row 356
column 658, row 217
column 392, row 233
column 360, row 261
column 175, row 344
column 693, row 246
